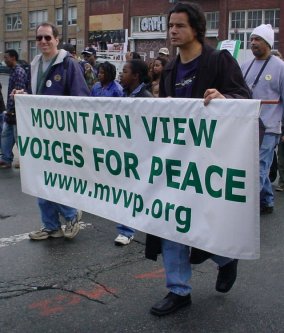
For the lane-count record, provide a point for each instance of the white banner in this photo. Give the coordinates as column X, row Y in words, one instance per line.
column 169, row 167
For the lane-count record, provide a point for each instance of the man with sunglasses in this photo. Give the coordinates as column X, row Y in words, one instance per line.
column 55, row 72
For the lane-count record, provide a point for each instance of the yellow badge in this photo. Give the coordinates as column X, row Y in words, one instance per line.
column 57, row 77
column 268, row 77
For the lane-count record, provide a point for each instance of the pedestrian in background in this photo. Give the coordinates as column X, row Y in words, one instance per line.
column 71, row 49
column 158, row 66
column 132, row 55
column 265, row 76
column 17, row 80
column 2, row 109
column 278, row 159
column 89, row 66
column 164, row 53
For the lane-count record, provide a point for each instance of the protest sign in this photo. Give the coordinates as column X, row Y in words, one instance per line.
column 169, row 167
column 233, row 46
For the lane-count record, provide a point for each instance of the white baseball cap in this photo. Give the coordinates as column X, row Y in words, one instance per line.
column 164, row 51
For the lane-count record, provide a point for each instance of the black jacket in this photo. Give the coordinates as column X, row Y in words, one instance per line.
column 216, row 69
column 143, row 92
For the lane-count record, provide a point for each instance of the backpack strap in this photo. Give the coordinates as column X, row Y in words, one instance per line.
column 260, row 72
column 66, row 61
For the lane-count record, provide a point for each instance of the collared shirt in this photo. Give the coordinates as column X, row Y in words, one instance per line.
column 17, row 80
column 134, row 92
column 113, row 89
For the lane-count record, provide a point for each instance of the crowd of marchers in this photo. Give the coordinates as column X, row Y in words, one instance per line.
column 198, row 71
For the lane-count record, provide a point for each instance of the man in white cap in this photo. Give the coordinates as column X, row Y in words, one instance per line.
column 265, row 77
column 164, row 53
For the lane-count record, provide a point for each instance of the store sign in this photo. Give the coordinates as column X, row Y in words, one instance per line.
column 153, row 24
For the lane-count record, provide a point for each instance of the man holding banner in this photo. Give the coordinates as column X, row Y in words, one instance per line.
column 199, row 71
column 54, row 72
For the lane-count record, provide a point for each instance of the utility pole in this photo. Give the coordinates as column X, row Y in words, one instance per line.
column 64, row 21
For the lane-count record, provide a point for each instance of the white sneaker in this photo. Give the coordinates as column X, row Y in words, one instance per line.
column 123, row 240
column 72, row 227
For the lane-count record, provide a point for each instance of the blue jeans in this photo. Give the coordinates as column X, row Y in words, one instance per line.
column 125, row 231
column 8, row 140
column 265, row 160
column 1, row 126
column 50, row 212
column 178, row 268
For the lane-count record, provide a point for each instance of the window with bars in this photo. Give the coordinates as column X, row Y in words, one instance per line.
column 13, row 22
column 72, row 16
column 242, row 24
column 14, row 45
column 36, row 17
column 254, row 18
column 238, row 19
column 212, row 20
column 272, row 17
column 32, row 50
column 238, row 36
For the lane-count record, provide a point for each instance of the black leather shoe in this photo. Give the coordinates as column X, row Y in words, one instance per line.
column 227, row 276
column 170, row 303
column 198, row 256
column 266, row 210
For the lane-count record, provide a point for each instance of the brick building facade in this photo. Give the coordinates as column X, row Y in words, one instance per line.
column 226, row 19
column 19, row 19
column 137, row 25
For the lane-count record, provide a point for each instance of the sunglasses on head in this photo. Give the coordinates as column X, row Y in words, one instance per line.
column 47, row 38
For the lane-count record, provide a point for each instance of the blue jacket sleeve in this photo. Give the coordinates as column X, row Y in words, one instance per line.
column 75, row 79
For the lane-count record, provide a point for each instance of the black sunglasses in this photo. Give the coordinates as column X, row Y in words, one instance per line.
column 47, row 38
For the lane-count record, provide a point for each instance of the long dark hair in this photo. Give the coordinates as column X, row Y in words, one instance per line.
column 196, row 18
column 109, row 71
column 163, row 62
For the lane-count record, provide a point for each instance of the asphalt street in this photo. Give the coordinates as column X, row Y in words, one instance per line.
column 89, row 285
